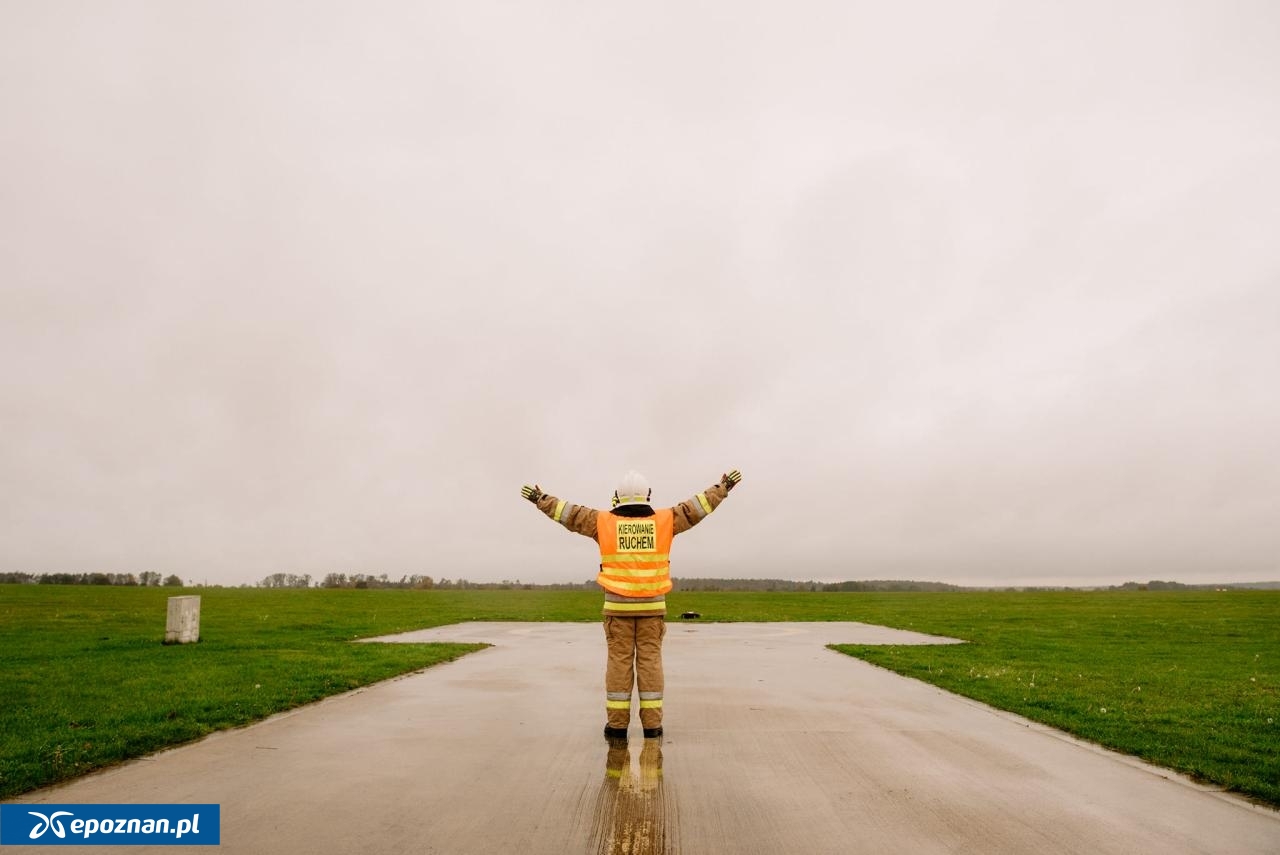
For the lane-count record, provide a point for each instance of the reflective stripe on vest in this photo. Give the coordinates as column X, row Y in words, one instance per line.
column 635, row 553
column 657, row 607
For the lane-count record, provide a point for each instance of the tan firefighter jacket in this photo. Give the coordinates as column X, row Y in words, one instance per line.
column 585, row 521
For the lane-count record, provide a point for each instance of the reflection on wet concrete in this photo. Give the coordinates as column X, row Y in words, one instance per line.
column 630, row 815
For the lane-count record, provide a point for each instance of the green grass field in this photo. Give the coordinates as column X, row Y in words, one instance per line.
column 1188, row 680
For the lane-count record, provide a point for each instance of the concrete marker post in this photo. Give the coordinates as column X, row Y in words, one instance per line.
column 183, row 624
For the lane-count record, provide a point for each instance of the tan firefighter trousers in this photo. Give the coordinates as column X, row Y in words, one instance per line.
column 635, row 658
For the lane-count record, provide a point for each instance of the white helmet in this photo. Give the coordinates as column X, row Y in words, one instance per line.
column 633, row 489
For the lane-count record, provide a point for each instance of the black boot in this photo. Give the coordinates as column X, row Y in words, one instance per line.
column 615, row 732
column 652, row 732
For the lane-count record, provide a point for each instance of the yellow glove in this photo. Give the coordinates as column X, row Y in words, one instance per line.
column 533, row 493
column 731, row 479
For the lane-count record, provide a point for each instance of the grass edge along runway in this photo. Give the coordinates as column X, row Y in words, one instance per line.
column 1186, row 680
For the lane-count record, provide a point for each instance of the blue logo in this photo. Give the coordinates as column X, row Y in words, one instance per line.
column 63, row 825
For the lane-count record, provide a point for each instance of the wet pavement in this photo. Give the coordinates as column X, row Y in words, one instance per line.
column 774, row 744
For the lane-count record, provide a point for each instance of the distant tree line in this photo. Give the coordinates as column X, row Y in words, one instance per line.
column 816, row 587
column 342, row 580
column 145, row 579
column 286, row 580
column 419, row 582
column 366, row 580
column 151, row 579
column 416, row 582
column 1157, row 585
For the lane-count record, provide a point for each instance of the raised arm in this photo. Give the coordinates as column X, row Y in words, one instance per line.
column 693, row 511
column 577, row 518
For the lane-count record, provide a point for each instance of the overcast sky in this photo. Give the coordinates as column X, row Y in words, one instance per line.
column 977, row 292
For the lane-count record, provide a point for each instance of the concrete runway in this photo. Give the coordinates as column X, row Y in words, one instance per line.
column 773, row 745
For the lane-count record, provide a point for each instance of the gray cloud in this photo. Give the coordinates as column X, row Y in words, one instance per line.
column 975, row 294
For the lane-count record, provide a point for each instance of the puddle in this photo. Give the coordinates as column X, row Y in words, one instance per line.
column 631, row 808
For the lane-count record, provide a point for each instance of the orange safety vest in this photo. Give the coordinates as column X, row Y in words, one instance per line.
column 635, row 553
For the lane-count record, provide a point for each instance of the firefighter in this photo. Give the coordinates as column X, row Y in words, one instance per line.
column 635, row 573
